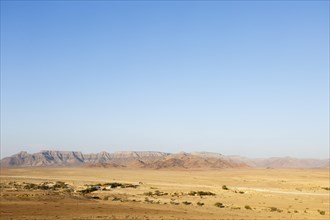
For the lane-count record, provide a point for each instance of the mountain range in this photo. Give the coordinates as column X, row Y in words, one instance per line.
column 154, row 160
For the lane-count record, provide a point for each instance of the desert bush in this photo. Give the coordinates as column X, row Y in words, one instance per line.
column 219, row 204
column 60, row 184
column 44, row 187
column 128, row 185
column 274, row 209
column 156, row 193
column 175, row 194
column 326, row 188
column 192, row 193
column 159, row 193
column 201, row 193
column 200, row 203
column 69, row 190
column 148, row 194
column 31, row 186
column 248, row 207
column 186, row 203
column 321, row 212
column 88, row 190
column 224, row 187
column 113, row 184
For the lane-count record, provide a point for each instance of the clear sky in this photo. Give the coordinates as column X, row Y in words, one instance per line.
column 246, row 78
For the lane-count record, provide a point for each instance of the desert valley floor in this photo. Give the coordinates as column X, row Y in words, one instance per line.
column 115, row 193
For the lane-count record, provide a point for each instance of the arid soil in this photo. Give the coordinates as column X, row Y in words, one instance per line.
column 116, row 193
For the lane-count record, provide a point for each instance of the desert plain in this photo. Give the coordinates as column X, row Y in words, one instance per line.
column 121, row 193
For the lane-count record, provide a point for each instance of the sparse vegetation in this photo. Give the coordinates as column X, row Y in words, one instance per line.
column 31, row 186
column 224, row 187
column 171, row 195
column 43, row 186
column 121, row 185
column 175, row 194
column 113, row 184
column 60, row 184
column 148, row 193
column 248, row 207
column 200, row 203
column 235, row 207
column 116, row 199
column 88, row 190
column 274, row 209
column 326, row 188
column 219, row 204
column 156, row 193
column 201, row 193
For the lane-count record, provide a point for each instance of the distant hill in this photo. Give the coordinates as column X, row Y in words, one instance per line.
column 44, row 158
column 154, row 160
column 289, row 162
column 193, row 161
column 284, row 162
column 70, row 158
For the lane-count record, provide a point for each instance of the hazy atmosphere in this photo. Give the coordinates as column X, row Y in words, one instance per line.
column 237, row 78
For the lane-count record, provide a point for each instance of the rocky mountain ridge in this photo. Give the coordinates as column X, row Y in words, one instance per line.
column 154, row 160
column 73, row 158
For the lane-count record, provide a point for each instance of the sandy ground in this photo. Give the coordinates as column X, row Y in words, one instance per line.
column 164, row 194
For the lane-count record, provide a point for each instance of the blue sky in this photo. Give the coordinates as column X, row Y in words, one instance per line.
column 246, row 78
